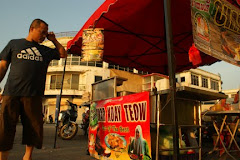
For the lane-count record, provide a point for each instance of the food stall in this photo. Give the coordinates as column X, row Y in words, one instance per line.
column 188, row 103
column 114, row 121
column 118, row 124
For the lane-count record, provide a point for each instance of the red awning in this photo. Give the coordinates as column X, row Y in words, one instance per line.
column 134, row 34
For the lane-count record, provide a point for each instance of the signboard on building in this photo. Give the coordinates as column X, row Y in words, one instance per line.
column 120, row 128
column 216, row 29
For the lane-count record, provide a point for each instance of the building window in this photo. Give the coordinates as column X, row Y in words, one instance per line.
column 98, row 78
column 204, row 82
column 71, row 81
column 55, row 82
column 182, row 79
column 194, row 80
column 75, row 81
column 214, row 85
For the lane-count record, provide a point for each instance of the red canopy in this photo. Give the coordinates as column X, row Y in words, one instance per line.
column 134, row 34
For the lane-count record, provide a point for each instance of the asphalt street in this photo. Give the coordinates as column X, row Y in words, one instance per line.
column 76, row 148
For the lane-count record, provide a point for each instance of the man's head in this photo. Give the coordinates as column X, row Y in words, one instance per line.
column 38, row 31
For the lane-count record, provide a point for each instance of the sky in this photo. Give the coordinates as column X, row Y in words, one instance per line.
column 70, row 15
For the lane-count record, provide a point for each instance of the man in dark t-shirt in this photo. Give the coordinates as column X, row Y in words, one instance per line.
column 25, row 86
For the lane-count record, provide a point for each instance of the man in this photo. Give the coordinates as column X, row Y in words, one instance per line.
column 85, row 119
column 25, row 87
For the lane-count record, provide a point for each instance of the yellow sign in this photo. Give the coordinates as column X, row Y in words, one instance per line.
column 92, row 44
column 216, row 29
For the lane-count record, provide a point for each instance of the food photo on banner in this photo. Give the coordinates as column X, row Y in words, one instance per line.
column 120, row 128
column 216, row 28
column 92, row 44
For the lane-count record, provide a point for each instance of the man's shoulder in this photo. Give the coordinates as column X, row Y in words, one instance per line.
column 17, row 40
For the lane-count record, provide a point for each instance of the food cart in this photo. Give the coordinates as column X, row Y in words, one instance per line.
column 188, row 103
column 114, row 124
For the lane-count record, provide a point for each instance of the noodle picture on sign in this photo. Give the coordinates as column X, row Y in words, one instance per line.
column 115, row 141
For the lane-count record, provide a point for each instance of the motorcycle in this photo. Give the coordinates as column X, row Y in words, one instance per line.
column 67, row 127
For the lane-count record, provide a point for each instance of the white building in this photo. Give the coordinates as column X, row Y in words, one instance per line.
column 200, row 79
column 194, row 78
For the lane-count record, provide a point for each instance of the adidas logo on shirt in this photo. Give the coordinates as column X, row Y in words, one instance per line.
column 30, row 54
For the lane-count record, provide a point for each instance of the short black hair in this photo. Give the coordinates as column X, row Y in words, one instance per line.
column 36, row 23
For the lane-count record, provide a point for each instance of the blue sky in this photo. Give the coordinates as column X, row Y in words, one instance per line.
column 70, row 15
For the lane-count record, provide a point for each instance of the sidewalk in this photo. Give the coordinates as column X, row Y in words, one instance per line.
column 74, row 149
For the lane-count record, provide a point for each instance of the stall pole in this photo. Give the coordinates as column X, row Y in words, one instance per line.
column 200, row 130
column 171, row 70
column 158, row 124
column 59, row 102
column 239, row 98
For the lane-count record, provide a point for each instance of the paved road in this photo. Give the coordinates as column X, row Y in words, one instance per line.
column 74, row 149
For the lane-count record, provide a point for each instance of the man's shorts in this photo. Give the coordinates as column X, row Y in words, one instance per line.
column 30, row 110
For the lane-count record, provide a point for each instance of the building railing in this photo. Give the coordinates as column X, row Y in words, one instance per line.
column 74, row 61
column 53, row 87
column 64, row 34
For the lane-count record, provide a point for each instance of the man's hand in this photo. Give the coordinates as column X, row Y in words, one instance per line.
column 62, row 52
column 3, row 68
column 51, row 36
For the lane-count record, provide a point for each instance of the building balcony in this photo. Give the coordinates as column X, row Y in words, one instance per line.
column 54, row 89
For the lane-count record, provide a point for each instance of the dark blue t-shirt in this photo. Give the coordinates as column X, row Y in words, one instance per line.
column 29, row 62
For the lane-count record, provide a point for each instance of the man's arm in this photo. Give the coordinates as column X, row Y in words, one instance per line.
column 3, row 69
column 59, row 47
